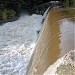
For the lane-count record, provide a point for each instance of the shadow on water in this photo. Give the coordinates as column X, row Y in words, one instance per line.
column 56, row 39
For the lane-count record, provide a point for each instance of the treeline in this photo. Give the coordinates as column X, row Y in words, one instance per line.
column 69, row 3
column 11, row 8
column 23, row 3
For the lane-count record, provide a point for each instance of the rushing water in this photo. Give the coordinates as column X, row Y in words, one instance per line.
column 17, row 42
column 56, row 39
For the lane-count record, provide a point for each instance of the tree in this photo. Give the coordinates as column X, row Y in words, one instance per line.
column 69, row 3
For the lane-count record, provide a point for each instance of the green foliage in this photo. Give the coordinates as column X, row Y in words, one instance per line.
column 32, row 3
column 69, row 3
column 11, row 14
column 4, row 14
column 7, row 14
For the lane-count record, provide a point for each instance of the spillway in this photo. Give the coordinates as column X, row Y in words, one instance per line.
column 57, row 37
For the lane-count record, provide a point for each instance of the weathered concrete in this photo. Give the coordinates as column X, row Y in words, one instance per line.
column 48, row 49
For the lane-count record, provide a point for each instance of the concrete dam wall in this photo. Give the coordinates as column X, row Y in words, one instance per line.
column 55, row 40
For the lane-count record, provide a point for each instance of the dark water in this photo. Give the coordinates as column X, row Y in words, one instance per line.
column 56, row 39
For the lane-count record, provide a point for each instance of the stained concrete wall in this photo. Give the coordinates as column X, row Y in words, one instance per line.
column 48, row 48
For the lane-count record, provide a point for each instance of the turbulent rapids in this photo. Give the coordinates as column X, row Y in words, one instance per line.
column 55, row 40
column 17, row 42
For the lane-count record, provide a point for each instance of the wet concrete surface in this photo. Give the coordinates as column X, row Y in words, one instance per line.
column 57, row 37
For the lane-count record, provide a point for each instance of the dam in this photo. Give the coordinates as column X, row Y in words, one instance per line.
column 57, row 37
